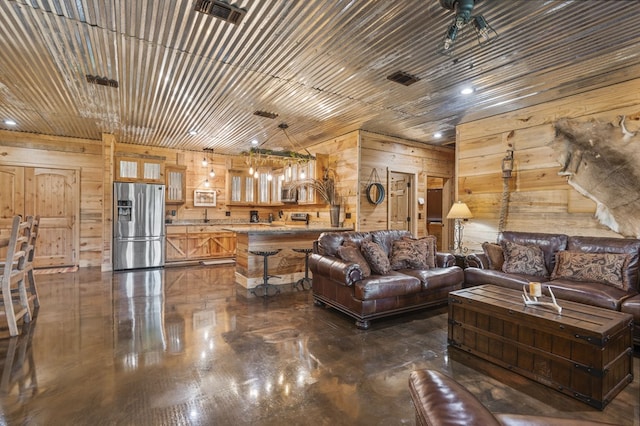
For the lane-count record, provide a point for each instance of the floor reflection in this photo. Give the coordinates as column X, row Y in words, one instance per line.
column 139, row 318
column 179, row 346
column 19, row 371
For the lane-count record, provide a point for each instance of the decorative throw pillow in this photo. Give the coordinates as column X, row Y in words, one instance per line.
column 606, row 268
column 408, row 253
column 519, row 259
column 350, row 252
column 430, row 241
column 494, row 254
column 376, row 257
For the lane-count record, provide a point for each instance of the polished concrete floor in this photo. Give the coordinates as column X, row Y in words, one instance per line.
column 181, row 347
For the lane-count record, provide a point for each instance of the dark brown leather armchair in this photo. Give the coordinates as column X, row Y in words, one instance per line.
column 440, row 400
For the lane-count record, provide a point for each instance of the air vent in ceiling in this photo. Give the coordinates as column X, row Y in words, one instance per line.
column 403, row 78
column 102, row 81
column 266, row 114
column 221, row 10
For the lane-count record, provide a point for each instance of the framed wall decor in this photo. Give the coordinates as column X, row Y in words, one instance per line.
column 204, row 198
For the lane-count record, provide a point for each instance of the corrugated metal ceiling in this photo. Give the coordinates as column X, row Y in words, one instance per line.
column 320, row 65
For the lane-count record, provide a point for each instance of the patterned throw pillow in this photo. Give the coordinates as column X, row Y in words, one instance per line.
column 350, row 252
column 408, row 253
column 519, row 259
column 494, row 254
column 606, row 268
column 376, row 257
column 431, row 242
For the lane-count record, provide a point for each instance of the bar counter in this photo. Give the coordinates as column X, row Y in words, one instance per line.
column 287, row 265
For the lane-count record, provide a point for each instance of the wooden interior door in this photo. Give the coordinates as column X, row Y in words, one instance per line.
column 399, row 201
column 52, row 194
column 11, row 200
column 11, row 196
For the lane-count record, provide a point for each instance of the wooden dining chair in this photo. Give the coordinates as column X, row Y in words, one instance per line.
column 15, row 303
column 30, row 249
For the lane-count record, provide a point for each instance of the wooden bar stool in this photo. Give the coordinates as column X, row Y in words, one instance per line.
column 263, row 289
column 306, row 282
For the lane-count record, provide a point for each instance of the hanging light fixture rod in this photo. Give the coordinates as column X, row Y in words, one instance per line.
column 285, row 154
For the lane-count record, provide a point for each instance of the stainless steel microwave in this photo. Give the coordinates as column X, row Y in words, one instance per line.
column 288, row 195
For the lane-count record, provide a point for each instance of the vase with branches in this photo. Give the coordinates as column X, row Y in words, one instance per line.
column 325, row 188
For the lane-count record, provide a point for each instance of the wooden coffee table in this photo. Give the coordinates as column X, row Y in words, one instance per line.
column 585, row 352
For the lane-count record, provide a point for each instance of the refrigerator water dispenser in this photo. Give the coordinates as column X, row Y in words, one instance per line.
column 124, row 210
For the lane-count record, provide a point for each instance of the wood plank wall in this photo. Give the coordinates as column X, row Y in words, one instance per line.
column 387, row 154
column 32, row 150
column 341, row 155
column 95, row 161
column 540, row 199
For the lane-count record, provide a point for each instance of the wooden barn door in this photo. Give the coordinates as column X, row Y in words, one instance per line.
column 50, row 193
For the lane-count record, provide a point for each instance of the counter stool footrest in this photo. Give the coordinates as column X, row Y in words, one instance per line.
column 265, row 275
column 306, row 282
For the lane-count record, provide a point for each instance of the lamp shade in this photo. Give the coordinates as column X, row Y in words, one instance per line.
column 459, row 211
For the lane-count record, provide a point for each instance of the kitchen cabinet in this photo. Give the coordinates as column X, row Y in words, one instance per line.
column 139, row 169
column 306, row 193
column 176, row 245
column 176, row 184
column 193, row 242
column 245, row 189
column 241, row 187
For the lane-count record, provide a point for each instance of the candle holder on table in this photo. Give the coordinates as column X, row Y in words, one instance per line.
column 535, row 290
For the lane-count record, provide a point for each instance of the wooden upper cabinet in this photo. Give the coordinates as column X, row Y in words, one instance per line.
column 242, row 187
column 139, row 169
column 176, row 184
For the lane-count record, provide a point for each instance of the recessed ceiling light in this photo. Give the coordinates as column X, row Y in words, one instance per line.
column 254, row 142
column 193, row 132
column 10, row 122
column 467, row 90
column 437, row 135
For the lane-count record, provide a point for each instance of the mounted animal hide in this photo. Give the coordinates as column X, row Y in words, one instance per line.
column 603, row 163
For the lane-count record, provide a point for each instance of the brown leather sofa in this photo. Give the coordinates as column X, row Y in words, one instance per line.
column 587, row 292
column 440, row 400
column 341, row 285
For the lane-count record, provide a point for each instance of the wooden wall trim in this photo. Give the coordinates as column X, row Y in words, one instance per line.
column 49, row 143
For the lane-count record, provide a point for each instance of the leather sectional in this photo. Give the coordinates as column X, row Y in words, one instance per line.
column 621, row 296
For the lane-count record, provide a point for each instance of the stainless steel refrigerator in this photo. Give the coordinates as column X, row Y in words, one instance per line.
column 138, row 225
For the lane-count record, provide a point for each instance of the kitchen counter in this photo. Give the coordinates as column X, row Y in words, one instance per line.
column 287, row 266
column 203, row 223
column 266, row 228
